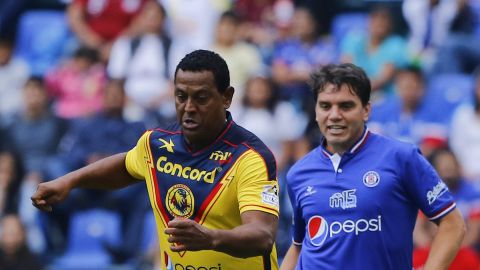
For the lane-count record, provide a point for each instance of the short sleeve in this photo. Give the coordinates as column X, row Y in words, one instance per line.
column 425, row 186
column 135, row 162
column 255, row 191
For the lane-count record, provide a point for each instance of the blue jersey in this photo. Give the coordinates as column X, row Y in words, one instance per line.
column 358, row 211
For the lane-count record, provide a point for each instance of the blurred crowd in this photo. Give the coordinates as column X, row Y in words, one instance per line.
column 83, row 79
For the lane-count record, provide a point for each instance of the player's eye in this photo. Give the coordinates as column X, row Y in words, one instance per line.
column 180, row 97
column 324, row 105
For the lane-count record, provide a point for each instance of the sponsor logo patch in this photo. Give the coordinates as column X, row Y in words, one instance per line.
column 270, row 195
column 437, row 191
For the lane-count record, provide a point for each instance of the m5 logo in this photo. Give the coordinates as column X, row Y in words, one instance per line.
column 220, row 156
column 345, row 199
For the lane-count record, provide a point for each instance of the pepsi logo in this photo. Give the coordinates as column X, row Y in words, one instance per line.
column 317, row 230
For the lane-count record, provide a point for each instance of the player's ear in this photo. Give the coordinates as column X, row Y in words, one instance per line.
column 228, row 96
column 367, row 109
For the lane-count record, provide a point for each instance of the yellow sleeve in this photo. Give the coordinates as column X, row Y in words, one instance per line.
column 136, row 159
column 254, row 190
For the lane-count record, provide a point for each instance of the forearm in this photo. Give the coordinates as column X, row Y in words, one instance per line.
column 291, row 258
column 80, row 28
column 446, row 242
column 244, row 241
column 388, row 71
column 107, row 173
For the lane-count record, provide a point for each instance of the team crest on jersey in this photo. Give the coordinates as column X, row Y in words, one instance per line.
column 371, row 179
column 180, row 201
column 317, row 230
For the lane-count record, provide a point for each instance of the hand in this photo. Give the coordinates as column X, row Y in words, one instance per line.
column 186, row 234
column 49, row 193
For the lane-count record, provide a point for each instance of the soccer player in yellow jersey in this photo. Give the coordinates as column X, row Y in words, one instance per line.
column 212, row 184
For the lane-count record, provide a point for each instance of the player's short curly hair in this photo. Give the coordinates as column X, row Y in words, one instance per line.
column 204, row 60
column 342, row 74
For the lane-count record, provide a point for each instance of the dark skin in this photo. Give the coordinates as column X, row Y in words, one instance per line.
column 201, row 110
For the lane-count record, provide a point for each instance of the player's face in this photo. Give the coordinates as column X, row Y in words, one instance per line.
column 201, row 108
column 341, row 117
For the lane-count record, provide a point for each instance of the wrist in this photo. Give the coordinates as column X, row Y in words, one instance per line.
column 215, row 242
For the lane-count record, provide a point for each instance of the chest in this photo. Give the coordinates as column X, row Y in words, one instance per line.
column 355, row 189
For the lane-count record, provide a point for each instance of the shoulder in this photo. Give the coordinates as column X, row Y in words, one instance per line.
column 392, row 147
column 241, row 137
column 303, row 164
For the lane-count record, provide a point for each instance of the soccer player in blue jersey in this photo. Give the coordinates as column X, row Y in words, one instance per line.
column 355, row 197
column 212, row 184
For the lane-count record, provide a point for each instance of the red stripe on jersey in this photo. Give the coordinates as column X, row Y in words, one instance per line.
column 207, row 201
column 160, row 207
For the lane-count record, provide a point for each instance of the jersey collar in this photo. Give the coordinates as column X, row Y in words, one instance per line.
column 229, row 122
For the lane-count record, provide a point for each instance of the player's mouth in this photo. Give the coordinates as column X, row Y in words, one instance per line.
column 190, row 124
column 336, row 129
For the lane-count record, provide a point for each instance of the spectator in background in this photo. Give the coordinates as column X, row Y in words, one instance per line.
column 293, row 61
column 460, row 53
column 429, row 22
column 35, row 149
column 14, row 253
column 259, row 23
column 275, row 122
column 97, row 23
column 379, row 52
column 11, row 175
column 241, row 57
column 113, row 134
column 465, row 133
column 296, row 58
column 191, row 25
column 13, row 74
column 407, row 115
column 142, row 60
column 279, row 126
column 467, row 198
column 252, row 11
column 77, row 85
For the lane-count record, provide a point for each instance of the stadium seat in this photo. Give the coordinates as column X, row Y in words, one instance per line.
column 89, row 231
column 446, row 91
column 40, row 39
column 344, row 23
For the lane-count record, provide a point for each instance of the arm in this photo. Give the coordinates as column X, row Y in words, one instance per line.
column 385, row 76
column 446, row 243
column 108, row 173
column 291, row 258
column 76, row 19
column 255, row 237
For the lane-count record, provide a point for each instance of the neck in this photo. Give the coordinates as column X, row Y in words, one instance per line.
column 196, row 144
column 341, row 148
